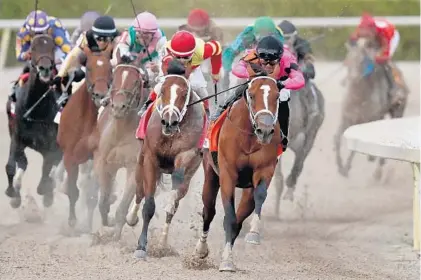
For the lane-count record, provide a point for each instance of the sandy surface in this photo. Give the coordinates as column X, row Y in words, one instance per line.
column 336, row 228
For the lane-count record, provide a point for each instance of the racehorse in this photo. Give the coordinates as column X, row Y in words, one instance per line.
column 117, row 147
column 77, row 134
column 32, row 125
column 244, row 145
column 302, row 132
column 172, row 144
column 367, row 99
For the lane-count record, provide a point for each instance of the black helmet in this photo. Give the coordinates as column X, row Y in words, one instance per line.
column 270, row 48
column 104, row 26
column 288, row 28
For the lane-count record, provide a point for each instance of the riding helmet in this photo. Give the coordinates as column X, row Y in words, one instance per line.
column 288, row 28
column 104, row 26
column 270, row 48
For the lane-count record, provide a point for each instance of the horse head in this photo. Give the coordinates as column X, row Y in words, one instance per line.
column 127, row 88
column 262, row 101
column 175, row 96
column 42, row 56
column 359, row 59
column 98, row 73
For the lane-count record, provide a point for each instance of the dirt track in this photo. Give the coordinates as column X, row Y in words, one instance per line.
column 337, row 228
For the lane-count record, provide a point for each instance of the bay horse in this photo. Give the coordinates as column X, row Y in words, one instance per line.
column 32, row 125
column 244, row 146
column 77, row 134
column 173, row 145
column 367, row 99
column 117, row 147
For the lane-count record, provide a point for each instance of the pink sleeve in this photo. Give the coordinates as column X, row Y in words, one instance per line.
column 295, row 79
column 240, row 70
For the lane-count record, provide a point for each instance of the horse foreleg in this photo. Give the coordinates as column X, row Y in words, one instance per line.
column 260, row 194
column 46, row 184
column 379, row 170
column 228, row 180
column 71, row 187
column 123, row 207
column 106, row 174
column 132, row 219
column 150, row 174
column 245, row 208
column 337, row 145
column 279, row 186
column 209, row 194
column 186, row 165
column 16, row 157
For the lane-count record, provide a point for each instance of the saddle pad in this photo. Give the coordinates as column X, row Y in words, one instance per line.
column 211, row 142
column 143, row 122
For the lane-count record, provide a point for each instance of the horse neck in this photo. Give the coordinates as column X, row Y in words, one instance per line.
column 85, row 104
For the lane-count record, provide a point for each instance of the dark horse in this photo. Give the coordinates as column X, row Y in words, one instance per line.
column 244, row 145
column 33, row 126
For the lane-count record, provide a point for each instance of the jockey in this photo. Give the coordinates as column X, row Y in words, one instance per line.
column 387, row 37
column 271, row 56
column 190, row 51
column 86, row 22
column 302, row 49
column 38, row 22
column 144, row 38
column 248, row 38
column 98, row 38
column 200, row 24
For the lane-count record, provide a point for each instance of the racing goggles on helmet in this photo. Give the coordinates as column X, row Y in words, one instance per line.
column 183, row 58
column 102, row 38
column 269, row 56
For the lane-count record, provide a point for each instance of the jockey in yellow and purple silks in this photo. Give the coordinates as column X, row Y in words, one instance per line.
column 248, row 38
column 144, row 38
column 38, row 22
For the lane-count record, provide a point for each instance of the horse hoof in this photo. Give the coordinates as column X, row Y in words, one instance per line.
column 10, row 192
column 132, row 222
column 140, row 254
column 72, row 223
column 202, row 249
column 253, row 238
column 15, row 202
column 48, row 199
column 227, row 266
column 289, row 195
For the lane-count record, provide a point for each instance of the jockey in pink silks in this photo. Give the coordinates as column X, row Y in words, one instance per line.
column 277, row 61
column 144, row 38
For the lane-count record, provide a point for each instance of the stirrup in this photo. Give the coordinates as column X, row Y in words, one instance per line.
column 62, row 98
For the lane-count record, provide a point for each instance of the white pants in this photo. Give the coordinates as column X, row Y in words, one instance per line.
column 393, row 45
column 197, row 83
column 58, row 57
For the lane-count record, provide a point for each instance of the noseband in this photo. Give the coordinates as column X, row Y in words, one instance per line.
column 131, row 93
column 266, row 89
column 171, row 108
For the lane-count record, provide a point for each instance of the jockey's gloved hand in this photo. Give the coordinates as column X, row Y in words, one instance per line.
column 79, row 75
column 126, row 59
column 280, row 85
column 57, row 81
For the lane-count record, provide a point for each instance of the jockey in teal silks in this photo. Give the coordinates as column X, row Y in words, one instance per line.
column 248, row 38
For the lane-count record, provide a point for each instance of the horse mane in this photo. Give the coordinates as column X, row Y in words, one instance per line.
column 175, row 67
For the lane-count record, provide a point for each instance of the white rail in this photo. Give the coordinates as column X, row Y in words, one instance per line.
column 13, row 24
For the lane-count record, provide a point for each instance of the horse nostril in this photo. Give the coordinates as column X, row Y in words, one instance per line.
column 258, row 131
column 123, row 106
column 174, row 123
column 163, row 122
column 272, row 131
column 112, row 105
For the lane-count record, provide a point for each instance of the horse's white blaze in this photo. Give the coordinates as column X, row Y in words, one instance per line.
column 99, row 62
column 124, row 76
column 18, row 177
column 173, row 98
column 266, row 89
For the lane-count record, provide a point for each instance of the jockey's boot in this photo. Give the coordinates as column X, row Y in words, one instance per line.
column 149, row 101
column 283, row 119
column 16, row 86
column 393, row 87
column 228, row 102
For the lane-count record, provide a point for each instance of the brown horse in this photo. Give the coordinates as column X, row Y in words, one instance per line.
column 117, row 147
column 172, row 145
column 244, row 145
column 77, row 135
